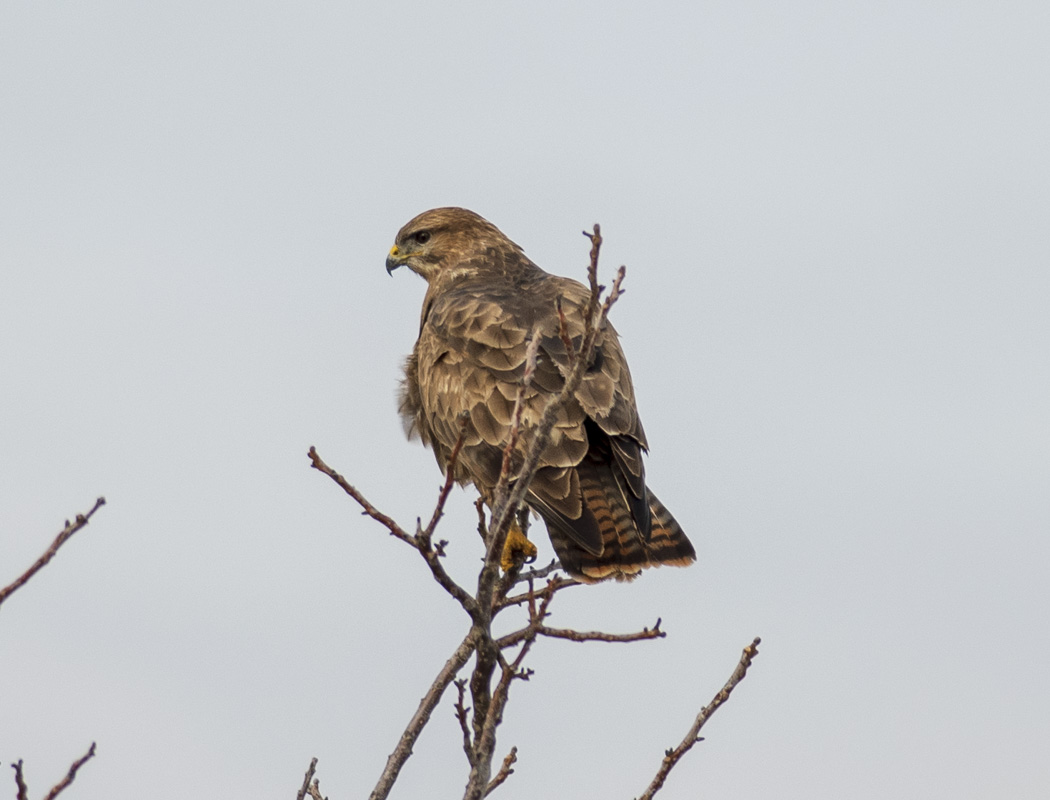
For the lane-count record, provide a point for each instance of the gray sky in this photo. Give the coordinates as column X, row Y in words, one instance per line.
column 834, row 218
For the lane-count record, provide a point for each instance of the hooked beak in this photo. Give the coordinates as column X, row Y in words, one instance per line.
column 395, row 258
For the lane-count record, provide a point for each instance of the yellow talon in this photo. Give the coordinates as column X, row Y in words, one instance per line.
column 517, row 550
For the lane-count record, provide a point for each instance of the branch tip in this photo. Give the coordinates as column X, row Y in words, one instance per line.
column 301, row 794
column 674, row 755
column 59, row 787
column 63, row 536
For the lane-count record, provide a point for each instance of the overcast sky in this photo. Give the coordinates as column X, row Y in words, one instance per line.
column 834, row 218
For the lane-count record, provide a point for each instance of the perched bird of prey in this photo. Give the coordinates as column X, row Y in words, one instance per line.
column 484, row 302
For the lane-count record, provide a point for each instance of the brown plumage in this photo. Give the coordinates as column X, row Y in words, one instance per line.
column 484, row 300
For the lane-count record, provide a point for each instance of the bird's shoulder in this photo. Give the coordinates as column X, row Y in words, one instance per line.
column 498, row 309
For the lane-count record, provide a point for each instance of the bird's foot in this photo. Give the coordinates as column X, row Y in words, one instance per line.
column 517, row 549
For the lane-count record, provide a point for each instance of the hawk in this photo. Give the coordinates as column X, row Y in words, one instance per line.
column 485, row 301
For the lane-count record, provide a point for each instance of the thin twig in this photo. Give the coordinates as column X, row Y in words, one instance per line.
column 450, row 477
column 592, row 274
column 483, row 528
column 419, row 720
column 505, row 772
column 387, row 522
column 563, row 332
column 615, row 291
column 461, row 716
column 63, row 537
column 672, row 756
column 599, row 636
column 68, row 779
column 301, row 795
column 511, row 639
column 23, row 790
column 421, row 541
column 555, row 584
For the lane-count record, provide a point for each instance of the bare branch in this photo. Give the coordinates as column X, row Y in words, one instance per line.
column 542, row 572
column 599, row 636
column 554, row 585
column 387, row 522
column 421, row 541
column 518, row 636
column 505, row 772
column 672, row 756
column 301, row 795
column 592, row 274
column 461, row 716
column 432, row 555
column 615, row 291
column 419, row 720
column 310, row 788
column 64, row 536
column 23, row 790
column 59, row 787
column 483, row 528
column 563, row 332
column 487, row 658
column 450, row 477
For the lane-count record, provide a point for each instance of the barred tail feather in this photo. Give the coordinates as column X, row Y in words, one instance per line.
column 668, row 543
column 625, row 551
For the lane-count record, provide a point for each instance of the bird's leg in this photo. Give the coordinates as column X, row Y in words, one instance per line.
column 517, row 549
column 523, row 520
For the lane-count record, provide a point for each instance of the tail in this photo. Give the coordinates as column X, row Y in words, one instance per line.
column 625, row 551
column 668, row 544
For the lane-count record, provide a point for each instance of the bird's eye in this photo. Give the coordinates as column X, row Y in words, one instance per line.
column 422, row 237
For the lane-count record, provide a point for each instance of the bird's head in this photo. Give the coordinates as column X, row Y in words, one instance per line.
column 445, row 242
